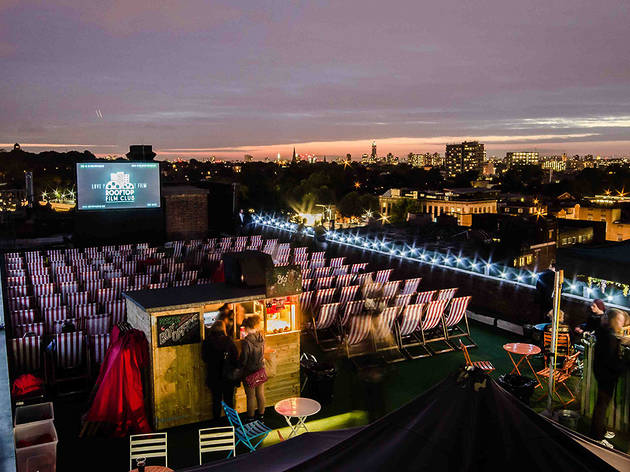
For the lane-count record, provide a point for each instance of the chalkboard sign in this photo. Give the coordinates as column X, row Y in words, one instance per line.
column 283, row 281
column 177, row 330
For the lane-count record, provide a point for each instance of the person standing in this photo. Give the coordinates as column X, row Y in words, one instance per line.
column 254, row 376
column 594, row 318
column 544, row 291
column 219, row 353
column 607, row 367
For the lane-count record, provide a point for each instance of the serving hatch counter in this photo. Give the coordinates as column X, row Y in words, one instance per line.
column 173, row 322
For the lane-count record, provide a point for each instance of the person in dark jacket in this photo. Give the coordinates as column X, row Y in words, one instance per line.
column 607, row 367
column 221, row 357
column 544, row 291
column 595, row 311
column 252, row 359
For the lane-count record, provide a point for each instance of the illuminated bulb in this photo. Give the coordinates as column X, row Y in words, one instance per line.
column 503, row 274
column 458, row 259
column 435, row 260
column 473, row 265
column 519, row 277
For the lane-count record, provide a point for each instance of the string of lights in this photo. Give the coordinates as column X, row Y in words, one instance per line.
column 476, row 267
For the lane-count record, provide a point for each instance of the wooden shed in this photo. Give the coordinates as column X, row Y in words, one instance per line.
column 173, row 322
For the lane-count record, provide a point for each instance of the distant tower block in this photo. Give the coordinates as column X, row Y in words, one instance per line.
column 140, row 152
column 373, row 151
column 17, row 147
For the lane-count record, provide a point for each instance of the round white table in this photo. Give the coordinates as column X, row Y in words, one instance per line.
column 297, row 407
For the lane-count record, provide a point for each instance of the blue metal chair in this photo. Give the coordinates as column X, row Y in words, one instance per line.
column 245, row 433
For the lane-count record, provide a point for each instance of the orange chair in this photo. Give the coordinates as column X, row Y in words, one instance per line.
column 485, row 366
column 561, row 375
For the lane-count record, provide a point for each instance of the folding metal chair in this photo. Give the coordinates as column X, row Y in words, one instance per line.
column 561, row 375
column 149, row 445
column 217, row 440
column 248, row 432
column 485, row 366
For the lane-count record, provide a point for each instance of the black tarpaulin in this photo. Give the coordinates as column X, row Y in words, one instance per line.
column 465, row 423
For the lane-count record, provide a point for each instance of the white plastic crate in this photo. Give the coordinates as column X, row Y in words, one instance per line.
column 40, row 456
column 34, row 413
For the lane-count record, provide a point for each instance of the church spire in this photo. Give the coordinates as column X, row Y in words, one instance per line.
column 294, row 158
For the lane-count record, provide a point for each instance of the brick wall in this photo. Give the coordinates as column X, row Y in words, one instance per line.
column 186, row 215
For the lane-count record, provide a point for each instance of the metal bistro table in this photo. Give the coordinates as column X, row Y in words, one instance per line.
column 524, row 350
column 297, row 407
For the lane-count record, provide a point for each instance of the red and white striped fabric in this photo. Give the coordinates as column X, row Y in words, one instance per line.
column 76, row 298
column 341, row 270
column 98, row 344
column 241, row 241
column 111, row 249
column 37, row 270
column 129, row 267
column 411, row 318
column 390, row 288
column 337, row 261
column 19, row 317
column 306, row 273
column 456, row 311
column 300, row 257
column 344, row 280
column 326, row 316
column 112, row 274
column 360, row 278
column 71, row 252
column 30, row 255
column 17, row 291
column 382, row 276
column 141, row 280
column 255, row 239
column 360, row 327
column 317, row 263
column 124, row 247
column 385, row 322
column 403, row 300
column 181, row 283
column 70, row 350
column 411, row 285
column 84, row 310
column 324, row 282
column 16, row 273
column 61, row 269
column 119, row 283
column 347, row 293
column 351, row 309
column 323, row 296
column 319, row 255
column 52, row 315
column 322, row 272
column 158, row 285
column 306, row 284
column 446, row 293
column 99, row 324
column 153, row 269
column 142, row 246
column 68, row 287
column 12, row 255
column 371, row 290
column 306, row 301
column 43, row 289
column 425, row 297
column 433, row 314
column 20, row 303
column 49, row 301
column 16, row 281
column 92, row 287
column 35, row 328
column 357, row 267
column 167, row 277
column 89, row 276
column 117, row 309
column 26, row 354
column 104, row 295
column 189, row 275
column 300, row 250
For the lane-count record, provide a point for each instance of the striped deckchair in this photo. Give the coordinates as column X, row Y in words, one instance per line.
column 40, row 279
column 358, row 336
column 433, row 322
column 141, row 280
column 341, row 270
column 181, row 283
column 354, row 308
column 403, row 300
column 119, row 283
column 391, row 288
column 76, row 298
column 22, row 330
column 306, row 273
column 317, row 263
column 306, row 301
column 326, row 318
column 410, row 321
column 457, row 312
column 68, row 287
column 425, row 297
column 383, row 276
column 19, row 317
column 306, row 284
column 83, row 311
column 104, row 295
column 371, row 290
column 337, row 261
column 384, row 330
column 20, row 303
column 62, row 278
column 69, row 363
column 27, row 355
column 189, row 275
column 322, row 272
column 17, row 291
column 89, row 275
column 360, row 278
column 318, row 255
column 344, row 280
column 168, row 277
column 411, row 285
column 92, row 287
column 43, row 289
column 324, row 282
column 347, row 293
column 118, row 310
column 49, row 301
column 129, row 267
column 158, row 285
column 446, row 293
column 99, row 324
column 323, row 296
column 52, row 316
column 16, row 273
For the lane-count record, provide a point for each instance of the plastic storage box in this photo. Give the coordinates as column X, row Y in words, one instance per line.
column 36, row 446
column 34, row 413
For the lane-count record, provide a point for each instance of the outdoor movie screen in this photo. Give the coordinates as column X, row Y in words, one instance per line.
column 118, row 185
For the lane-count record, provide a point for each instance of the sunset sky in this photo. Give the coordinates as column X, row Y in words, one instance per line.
column 196, row 78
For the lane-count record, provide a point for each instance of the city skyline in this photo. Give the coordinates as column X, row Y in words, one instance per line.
column 226, row 79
